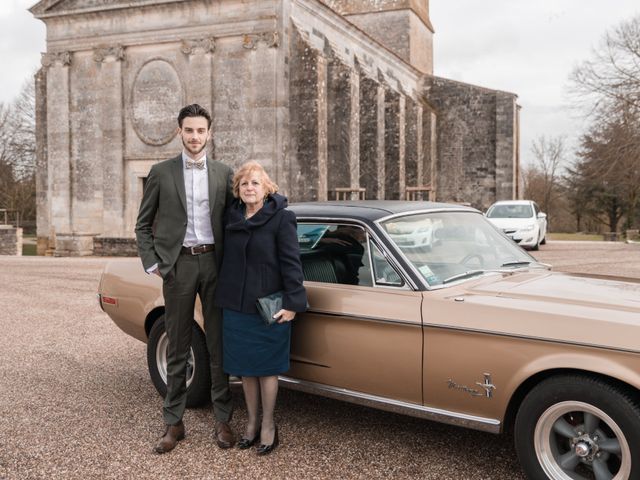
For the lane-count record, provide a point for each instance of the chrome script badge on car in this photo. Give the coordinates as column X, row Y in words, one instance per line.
column 487, row 386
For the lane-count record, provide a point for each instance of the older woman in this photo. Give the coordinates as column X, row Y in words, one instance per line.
column 261, row 256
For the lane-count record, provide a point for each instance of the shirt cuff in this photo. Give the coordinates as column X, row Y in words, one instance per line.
column 153, row 268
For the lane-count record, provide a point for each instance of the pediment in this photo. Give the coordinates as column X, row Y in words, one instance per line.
column 47, row 8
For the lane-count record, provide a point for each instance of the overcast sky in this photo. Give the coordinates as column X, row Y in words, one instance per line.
column 527, row 47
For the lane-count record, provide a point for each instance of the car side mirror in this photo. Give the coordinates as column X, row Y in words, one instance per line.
column 542, row 215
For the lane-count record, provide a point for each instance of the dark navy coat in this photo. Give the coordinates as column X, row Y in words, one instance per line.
column 261, row 256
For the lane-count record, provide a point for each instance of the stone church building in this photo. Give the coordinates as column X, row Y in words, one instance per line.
column 336, row 98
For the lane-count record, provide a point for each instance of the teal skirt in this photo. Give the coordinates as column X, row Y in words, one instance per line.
column 251, row 348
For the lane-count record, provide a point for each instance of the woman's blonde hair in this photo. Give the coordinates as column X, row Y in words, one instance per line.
column 247, row 169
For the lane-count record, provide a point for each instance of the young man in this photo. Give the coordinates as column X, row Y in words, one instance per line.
column 186, row 198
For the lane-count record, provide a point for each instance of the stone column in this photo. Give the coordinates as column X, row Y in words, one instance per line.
column 420, row 180
column 506, row 147
column 433, row 156
column 354, row 133
column 58, row 143
column 111, row 123
column 322, row 127
column 380, row 157
column 43, row 206
column 402, row 121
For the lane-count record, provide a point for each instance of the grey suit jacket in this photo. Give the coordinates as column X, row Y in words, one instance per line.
column 164, row 203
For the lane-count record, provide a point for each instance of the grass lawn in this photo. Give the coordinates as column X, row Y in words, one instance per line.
column 29, row 246
column 29, row 249
column 574, row 236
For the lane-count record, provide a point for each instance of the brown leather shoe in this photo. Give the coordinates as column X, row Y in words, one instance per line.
column 224, row 435
column 172, row 435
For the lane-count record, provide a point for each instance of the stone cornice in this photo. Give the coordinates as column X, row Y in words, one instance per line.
column 43, row 9
column 201, row 45
column 321, row 27
column 62, row 59
column 158, row 36
column 102, row 54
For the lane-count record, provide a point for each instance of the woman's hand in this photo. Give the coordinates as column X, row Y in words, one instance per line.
column 284, row 316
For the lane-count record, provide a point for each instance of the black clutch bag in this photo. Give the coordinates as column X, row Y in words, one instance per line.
column 268, row 306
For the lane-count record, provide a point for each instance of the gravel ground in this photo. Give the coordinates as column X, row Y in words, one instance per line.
column 76, row 400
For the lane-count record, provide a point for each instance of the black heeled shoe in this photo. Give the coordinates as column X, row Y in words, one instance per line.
column 263, row 449
column 245, row 443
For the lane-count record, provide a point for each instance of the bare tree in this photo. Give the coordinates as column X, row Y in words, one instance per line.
column 611, row 79
column 608, row 85
column 17, row 154
column 542, row 180
column 609, row 169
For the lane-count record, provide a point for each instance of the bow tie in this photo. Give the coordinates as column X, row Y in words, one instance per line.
column 195, row 163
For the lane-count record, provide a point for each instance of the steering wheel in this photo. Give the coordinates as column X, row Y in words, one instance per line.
column 471, row 260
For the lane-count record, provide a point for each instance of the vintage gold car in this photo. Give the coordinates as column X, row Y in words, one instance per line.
column 469, row 330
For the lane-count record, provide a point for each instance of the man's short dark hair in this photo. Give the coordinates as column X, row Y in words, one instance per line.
column 194, row 110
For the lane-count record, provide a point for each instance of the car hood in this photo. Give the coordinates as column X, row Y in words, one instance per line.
column 597, row 311
column 514, row 223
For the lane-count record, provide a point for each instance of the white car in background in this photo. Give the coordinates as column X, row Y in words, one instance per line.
column 520, row 220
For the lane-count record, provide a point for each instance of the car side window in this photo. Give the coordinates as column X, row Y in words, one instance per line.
column 384, row 273
column 333, row 253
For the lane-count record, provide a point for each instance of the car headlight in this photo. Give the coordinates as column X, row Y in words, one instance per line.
column 528, row 228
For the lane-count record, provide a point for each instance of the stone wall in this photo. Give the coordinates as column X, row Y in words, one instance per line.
column 325, row 97
column 477, row 140
column 115, row 247
column 112, row 81
column 10, row 240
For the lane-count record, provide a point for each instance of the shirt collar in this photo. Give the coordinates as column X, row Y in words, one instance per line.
column 185, row 157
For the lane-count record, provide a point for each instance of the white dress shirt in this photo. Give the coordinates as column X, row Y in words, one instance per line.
column 196, row 187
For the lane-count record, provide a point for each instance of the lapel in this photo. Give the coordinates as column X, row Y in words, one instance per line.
column 212, row 175
column 178, row 177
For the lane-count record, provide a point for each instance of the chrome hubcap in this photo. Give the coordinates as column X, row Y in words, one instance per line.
column 582, row 449
column 577, row 441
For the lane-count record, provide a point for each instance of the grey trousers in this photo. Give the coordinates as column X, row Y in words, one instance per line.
column 191, row 276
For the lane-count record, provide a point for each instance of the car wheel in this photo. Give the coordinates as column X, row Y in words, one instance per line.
column 536, row 246
column 543, row 241
column 578, row 427
column 198, row 376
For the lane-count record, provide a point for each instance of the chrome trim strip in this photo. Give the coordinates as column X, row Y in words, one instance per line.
column 490, row 425
column 460, row 208
column 526, row 337
column 418, row 323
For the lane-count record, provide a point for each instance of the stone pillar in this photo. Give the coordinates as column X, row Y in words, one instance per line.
column 506, row 147
column 393, row 145
column 10, row 240
column 200, row 70
column 43, row 207
column 322, row 127
column 58, row 143
column 420, row 180
column 354, row 133
column 380, row 153
column 111, row 118
column 402, row 136
column 433, row 156
column 368, row 123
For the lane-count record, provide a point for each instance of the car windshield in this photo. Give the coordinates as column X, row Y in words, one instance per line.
column 448, row 246
column 510, row 211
